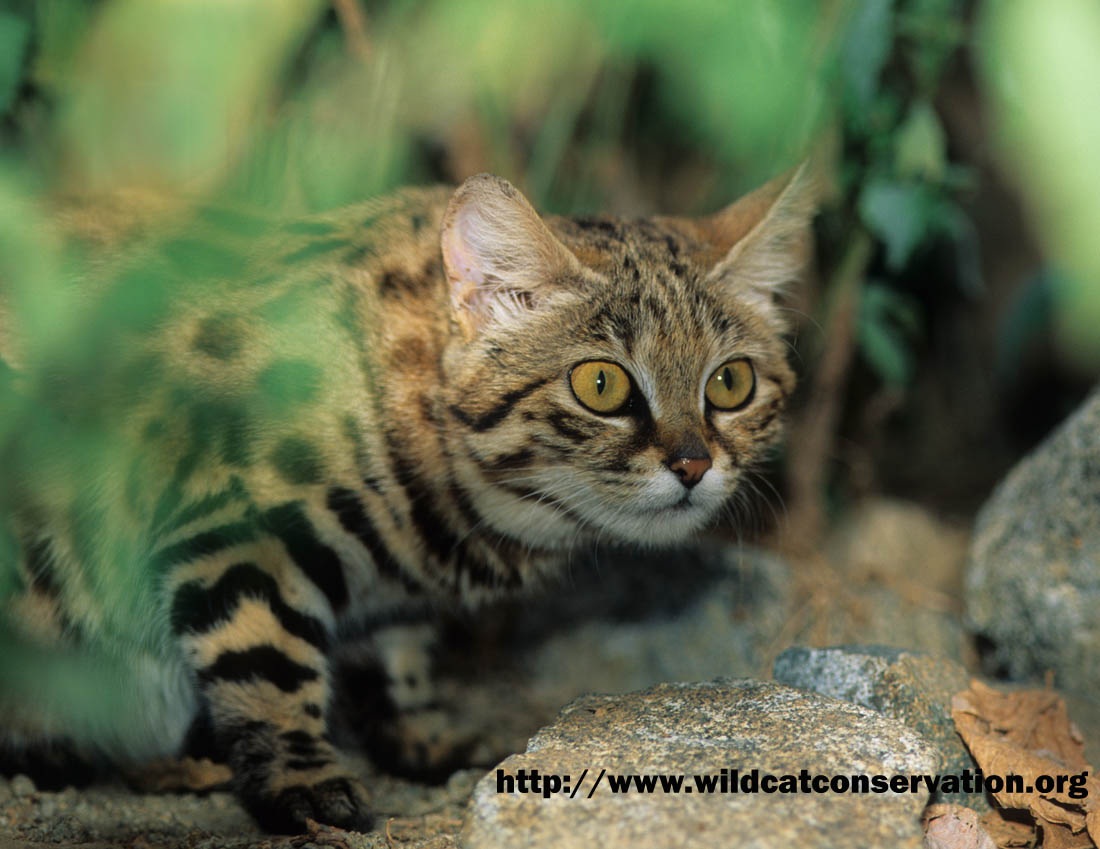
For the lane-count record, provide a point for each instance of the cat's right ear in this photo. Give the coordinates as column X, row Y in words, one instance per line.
column 765, row 238
column 500, row 258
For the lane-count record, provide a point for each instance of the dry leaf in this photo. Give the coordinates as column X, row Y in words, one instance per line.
column 1029, row 734
column 1008, row 833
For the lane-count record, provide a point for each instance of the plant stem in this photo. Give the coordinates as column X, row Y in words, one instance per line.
column 813, row 435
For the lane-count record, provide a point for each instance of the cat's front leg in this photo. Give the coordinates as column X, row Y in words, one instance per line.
column 258, row 648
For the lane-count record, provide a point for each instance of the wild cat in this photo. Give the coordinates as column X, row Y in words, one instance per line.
column 435, row 395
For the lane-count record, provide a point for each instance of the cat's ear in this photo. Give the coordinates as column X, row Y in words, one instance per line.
column 764, row 239
column 499, row 256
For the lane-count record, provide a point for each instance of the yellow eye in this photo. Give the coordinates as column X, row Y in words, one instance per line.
column 731, row 385
column 602, row 387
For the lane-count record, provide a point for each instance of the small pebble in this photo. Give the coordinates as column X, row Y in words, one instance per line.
column 22, row 786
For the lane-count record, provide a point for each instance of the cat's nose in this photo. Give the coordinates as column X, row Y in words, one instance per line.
column 690, row 470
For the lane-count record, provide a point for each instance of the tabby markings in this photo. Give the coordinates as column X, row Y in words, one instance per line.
column 297, row 461
column 225, row 426
column 570, row 426
column 315, row 249
column 512, row 462
column 433, row 527
column 289, row 524
column 202, row 507
column 206, row 543
column 290, row 382
column 265, row 663
column 219, row 336
column 318, row 562
column 497, row 414
column 197, row 609
column 353, row 518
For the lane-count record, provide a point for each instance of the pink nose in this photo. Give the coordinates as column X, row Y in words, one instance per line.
column 690, row 470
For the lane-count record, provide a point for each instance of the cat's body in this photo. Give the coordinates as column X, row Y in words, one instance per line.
column 433, row 396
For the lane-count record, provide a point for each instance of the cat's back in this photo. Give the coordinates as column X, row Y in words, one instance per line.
column 222, row 364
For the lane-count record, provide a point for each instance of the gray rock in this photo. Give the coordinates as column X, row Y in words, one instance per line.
column 701, row 729
column 914, row 688
column 1033, row 578
column 22, row 786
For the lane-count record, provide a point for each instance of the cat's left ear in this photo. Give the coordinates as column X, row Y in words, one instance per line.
column 765, row 237
column 499, row 256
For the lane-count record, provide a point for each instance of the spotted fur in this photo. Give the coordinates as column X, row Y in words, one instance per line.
column 339, row 421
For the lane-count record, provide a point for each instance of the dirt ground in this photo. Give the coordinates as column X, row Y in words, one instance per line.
column 115, row 813
column 609, row 625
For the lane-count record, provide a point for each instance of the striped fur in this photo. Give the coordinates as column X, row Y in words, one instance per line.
column 346, row 419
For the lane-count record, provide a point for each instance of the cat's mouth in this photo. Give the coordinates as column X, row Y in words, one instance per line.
column 685, row 503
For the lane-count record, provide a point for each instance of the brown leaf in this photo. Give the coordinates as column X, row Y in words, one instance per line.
column 1029, row 734
column 1007, row 833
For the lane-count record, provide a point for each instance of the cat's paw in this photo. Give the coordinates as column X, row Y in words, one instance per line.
column 340, row 801
column 287, row 779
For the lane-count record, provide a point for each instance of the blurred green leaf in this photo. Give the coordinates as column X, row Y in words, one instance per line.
column 934, row 30
column 167, row 94
column 1040, row 64
column 921, row 145
column 865, row 48
column 60, row 27
column 888, row 323
column 741, row 79
column 14, row 33
column 901, row 214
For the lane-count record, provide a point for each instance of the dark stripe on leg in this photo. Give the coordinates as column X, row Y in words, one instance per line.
column 206, row 543
column 262, row 663
column 197, row 609
column 207, row 505
column 317, row 561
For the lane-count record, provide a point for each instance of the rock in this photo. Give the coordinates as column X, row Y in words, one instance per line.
column 913, row 688
column 22, row 786
column 702, row 729
column 1033, row 578
column 898, row 568
column 953, row 827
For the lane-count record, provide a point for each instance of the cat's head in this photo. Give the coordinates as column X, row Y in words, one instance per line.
column 611, row 378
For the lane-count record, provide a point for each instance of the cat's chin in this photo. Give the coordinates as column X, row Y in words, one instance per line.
column 660, row 527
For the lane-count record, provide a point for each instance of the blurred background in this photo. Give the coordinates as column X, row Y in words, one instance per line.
column 952, row 316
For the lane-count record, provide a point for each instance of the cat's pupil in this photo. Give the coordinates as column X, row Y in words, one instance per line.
column 727, row 377
column 601, row 382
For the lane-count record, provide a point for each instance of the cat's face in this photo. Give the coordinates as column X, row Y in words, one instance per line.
column 623, row 388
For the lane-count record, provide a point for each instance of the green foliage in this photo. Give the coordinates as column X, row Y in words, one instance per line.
column 887, row 325
column 264, row 100
column 896, row 168
column 1040, row 64
column 14, row 37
